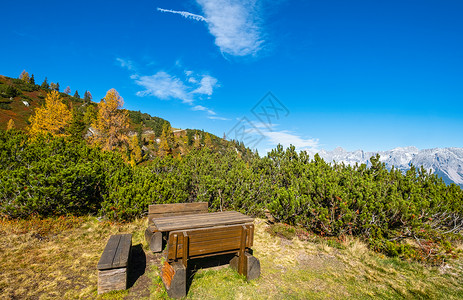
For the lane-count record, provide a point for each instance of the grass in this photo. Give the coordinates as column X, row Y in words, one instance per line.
column 56, row 258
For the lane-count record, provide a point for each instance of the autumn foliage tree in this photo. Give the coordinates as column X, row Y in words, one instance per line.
column 112, row 123
column 167, row 140
column 10, row 125
column 24, row 76
column 54, row 117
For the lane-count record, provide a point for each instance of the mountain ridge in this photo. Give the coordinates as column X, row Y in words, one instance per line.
column 445, row 162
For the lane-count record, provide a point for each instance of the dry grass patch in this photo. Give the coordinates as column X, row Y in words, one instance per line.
column 39, row 260
column 57, row 258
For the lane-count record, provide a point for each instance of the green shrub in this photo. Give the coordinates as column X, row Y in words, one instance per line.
column 5, row 106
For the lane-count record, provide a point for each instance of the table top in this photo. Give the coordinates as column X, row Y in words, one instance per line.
column 200, row 220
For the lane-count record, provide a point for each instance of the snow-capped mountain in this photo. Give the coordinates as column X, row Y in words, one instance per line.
column 446, row 162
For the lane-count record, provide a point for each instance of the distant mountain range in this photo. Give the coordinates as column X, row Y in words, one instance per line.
column 445, row 162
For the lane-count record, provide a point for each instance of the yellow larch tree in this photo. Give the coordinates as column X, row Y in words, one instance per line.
column 54, row 117
column 136, row 151
column 208, row 141
column 111, row 123
column 165, row 145
column 10, row 125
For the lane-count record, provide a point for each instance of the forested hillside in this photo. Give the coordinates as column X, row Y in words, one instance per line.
column 102, row 160
column 21, row 98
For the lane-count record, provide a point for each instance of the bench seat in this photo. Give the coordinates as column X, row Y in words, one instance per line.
column 114, row 263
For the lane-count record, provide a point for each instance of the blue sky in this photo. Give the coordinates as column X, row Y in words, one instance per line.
column 371, row 75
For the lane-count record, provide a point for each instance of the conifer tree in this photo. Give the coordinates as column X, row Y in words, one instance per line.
column 111, row 123
column 10, row 125
column 77, row 127
column 54, row 117
column 32, row 80
column 87, row 97
column 24, row 76
column 45, row 84
column 76, row 95
column 165, row 148
column 208, row 141
column 136, row 152
column 196, row 142
column 67, row 90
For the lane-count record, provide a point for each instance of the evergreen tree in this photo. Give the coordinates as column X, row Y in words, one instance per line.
column 32, row 80
column 77, row 127
column 87, row 97
column 76, row 95
column 45, row 84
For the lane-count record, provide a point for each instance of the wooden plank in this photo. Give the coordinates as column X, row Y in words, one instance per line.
column 208, row 240
column 241, row 262
column 186, row 246
column 200, row 220
column 228, row 215
column 112, row 280
column 106, row 259
column 121, row 258
column 177, row 207
column 116, row 253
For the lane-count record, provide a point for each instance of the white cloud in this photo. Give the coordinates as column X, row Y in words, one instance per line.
column 235, row 24
column 207, row 85
column 167, row 86
column 164, row 86
column 125, row 63
column 188, row 86
column 287, row 138
column 218, row 118
column 184, row 14
column 203, row 108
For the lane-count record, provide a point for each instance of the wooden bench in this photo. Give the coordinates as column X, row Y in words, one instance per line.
column 114, row 263
column 205, row 242
column 153, row 236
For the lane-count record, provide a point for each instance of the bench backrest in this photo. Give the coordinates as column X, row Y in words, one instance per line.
column 196, row 243
column 116, row 254
column 174, row 209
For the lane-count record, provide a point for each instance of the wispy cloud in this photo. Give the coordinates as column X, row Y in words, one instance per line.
column 180, row 84
column 218, row 118
column 206, row 85
column 187, row 87
column 235, row 24
column 203, row 108
column 125, row 63
column 164, row 86
column 184, row 14
column 287, row 138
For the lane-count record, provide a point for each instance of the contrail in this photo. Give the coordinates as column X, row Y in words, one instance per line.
column 184, row 14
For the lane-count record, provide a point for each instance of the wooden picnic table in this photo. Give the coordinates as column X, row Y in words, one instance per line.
column 203, row 235
column 182, row 222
